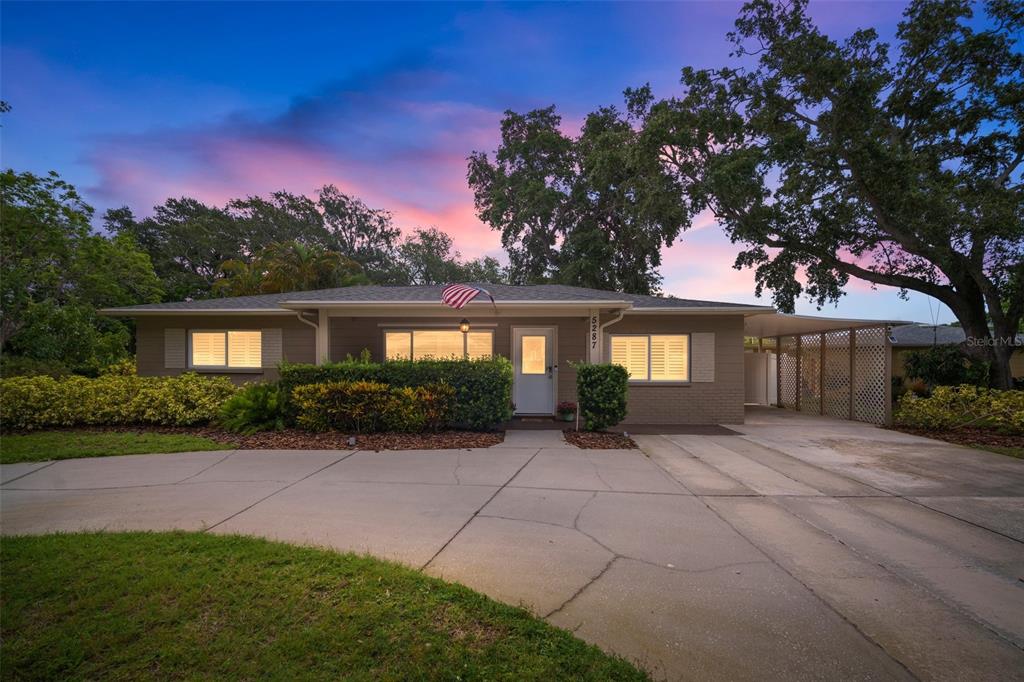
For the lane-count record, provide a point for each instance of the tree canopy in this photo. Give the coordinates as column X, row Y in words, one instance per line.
column 55, row 272
column 831, row 159
column 428, row 257
column 590, row 210
column 189, row 240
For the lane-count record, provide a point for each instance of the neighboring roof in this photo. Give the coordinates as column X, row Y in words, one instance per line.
column 780, row 324
column 928, row 335
column 371, row 294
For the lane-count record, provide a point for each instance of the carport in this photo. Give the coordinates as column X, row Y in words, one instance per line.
column 820, row 365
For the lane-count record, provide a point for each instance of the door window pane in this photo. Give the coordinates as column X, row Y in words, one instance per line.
column 534, row 355
column 669, row 358
column 245, row 349
column 479, row 345
column 209, row 349
column 439, row 344
column 398, row 345
column 631, row 353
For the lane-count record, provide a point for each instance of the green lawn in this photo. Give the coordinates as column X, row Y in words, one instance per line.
column 195, row 606
column 45, row 445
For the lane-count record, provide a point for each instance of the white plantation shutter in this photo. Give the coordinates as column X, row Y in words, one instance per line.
column 271, row 347
column 669, row 358
column 175, row 349
column 398, row 345
column 703, row 351
column 245, row 349
column 479, row 345
column 437, row 344
column 631, row 353
column 208, row 349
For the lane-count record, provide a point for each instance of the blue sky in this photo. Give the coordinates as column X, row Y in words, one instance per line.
column 137, row 102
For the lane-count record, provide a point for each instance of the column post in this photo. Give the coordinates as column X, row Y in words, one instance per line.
column 322, row 337
column 594, row 340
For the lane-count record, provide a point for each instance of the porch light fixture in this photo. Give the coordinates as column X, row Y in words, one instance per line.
column 464, row 326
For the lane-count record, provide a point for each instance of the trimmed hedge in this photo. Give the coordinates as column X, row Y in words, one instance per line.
column 949, row 407
column 41, row 401
column 602, row 390
column 483, row 388
column 367, row 406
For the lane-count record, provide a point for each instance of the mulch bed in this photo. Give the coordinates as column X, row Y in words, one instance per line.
column 971, row 437
column 297, row 439
column 599, row 440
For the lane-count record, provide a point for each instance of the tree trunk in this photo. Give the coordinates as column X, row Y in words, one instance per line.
column 982, row 344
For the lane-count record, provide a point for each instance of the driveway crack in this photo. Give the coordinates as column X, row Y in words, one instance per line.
column 479, row 509
column 281, row 489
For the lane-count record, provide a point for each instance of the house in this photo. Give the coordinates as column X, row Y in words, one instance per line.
column 915, row 337
column 685, row 357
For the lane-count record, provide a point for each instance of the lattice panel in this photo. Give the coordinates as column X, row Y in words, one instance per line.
column 788, row 367
column 836, row 378
column 810, row 373
column 869, row 376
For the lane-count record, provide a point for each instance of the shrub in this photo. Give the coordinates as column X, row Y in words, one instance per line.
column 21, row 366
column 945, row 366
column 346, row 405
column 42, row 401
column 482, row 388
column 366, row 406
column 256, row 407
column 949, row 407
column 423, row 408
column 602, row 390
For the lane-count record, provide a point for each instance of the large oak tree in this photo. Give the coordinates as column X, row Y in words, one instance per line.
column 899, row 165
column 589, row 210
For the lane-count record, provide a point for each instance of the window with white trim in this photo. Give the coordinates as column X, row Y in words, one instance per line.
column 228, row 349
column 437, row 344
column 652, row 357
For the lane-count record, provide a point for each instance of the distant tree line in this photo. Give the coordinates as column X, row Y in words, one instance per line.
column 57, row 272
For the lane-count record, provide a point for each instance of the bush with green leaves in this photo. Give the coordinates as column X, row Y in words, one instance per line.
column 482, row 388
column 945, row 365
column 950, row 407
column 368, row 406
column 23, row 366
column 602, row 390
column 255, row 407
column 43, row 402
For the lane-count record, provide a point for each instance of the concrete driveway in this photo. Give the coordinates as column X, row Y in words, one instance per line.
column 804, row 548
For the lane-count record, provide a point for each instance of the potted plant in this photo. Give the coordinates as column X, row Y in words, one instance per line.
column 566, row 411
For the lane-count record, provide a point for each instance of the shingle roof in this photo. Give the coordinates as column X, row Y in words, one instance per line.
column 429, row 294
column 927, row 335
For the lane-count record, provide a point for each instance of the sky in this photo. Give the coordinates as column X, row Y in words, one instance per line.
column 135, row 103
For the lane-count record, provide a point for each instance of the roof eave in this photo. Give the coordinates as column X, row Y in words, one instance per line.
column 701, row 310
column 130, row 312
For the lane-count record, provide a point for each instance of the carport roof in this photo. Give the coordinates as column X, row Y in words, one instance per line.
column 780, row 324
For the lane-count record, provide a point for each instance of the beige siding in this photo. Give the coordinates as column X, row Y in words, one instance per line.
column 297, row 340
column 350, row 335
column 715, row 402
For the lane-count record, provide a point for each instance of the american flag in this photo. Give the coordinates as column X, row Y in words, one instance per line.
column 458, row 295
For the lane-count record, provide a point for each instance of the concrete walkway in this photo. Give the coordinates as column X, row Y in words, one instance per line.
column 803, row 549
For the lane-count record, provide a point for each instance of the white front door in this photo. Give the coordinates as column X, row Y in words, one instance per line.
column 533, row 389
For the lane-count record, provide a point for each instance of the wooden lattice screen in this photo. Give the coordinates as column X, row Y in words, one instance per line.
column 841, row 373
column 788, row 369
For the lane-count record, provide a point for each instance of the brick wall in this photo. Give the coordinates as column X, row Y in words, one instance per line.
column 716, row 402
column 298, row 342
column 350, row 335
